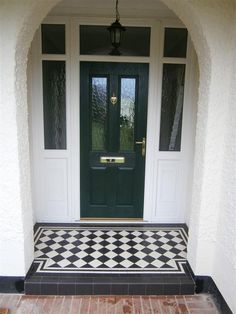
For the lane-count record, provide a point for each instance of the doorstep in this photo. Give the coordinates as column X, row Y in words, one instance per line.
column 110, row 260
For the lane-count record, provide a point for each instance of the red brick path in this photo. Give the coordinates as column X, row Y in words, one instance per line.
column 21, row 304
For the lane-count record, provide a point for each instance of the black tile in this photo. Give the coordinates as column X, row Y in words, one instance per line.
column 99, row 289
column 47, row 279
column 171, row 289
column 120, row 289
column 49, row 288
column 154, row 289
column 187, row 288
column 32, row 288
column 66, row 288
column 136, row 289
column 83, row 288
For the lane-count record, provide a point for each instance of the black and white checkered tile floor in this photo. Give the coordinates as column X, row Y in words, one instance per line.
column 113, row 249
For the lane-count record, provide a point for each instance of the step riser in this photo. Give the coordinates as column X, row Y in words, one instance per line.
column 107, row 289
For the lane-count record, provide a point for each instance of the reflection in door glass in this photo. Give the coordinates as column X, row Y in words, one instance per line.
column 99, row 112
column 172, row 107
column 127, row 112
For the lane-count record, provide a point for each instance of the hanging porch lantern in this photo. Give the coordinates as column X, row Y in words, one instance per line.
column 116, row 30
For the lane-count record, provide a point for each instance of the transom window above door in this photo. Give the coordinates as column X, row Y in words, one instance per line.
column 95, row 40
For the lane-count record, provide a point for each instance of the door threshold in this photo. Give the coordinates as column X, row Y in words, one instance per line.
column 111, row 219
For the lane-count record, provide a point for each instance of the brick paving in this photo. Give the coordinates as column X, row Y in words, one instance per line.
column 21, row 304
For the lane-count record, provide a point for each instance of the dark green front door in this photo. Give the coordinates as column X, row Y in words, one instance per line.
column 113, row 115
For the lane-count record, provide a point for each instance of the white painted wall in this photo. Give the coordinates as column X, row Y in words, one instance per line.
column 212, row 223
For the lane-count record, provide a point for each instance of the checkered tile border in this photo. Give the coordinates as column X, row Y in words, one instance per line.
column 110, row 249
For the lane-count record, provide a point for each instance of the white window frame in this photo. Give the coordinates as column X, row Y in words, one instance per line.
column 72, row 153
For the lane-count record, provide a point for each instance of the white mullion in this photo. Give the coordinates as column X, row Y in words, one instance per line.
column 152, row 125
column 53, row 57
column 174, row 60
column 75, row 118
column 114, row 58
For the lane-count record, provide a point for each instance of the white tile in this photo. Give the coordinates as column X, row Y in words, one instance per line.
column 110, row 263
column 126, row 263
column 95, row 263
column 52, row 254
column 98, row 247
column 67, row 254
column 84, row 239
column 157, row 263
column 152, row 247
column 154, row 254
column 141, row 263
column 137, row 240
column 96, row 254
column 45, row 239
column 180, row 247
column 169, row 254
column 149, row 233
column 111, row 239
column 166, row 247
column 63, row 263
column 73, row 233
column 124, row 240
column 140, row 255
column 98, row 239
column 58, row 239
column 124, row 233
column 177, row 240
column 71, row 239
column 61, row 232
column 41, row 246
column 81, row 254
column 125, row 255
column 98, row 233
column 80, row 263
column 139, row 247
column 111, row 247
column 111, row 254
column 69, row 246
column 163, row 240
column 125, row 247
column 55, row 246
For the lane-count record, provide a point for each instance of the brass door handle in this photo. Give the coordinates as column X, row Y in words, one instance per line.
column 143, row 143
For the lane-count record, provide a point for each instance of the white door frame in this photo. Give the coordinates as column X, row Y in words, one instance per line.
column 69, row 159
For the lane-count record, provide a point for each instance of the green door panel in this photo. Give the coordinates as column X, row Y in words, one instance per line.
column 111, row 189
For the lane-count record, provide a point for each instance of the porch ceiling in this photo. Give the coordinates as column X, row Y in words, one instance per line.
column 103, row 8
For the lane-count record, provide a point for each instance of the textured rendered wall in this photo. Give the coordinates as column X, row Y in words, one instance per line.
column 212, row 241
column 18, row 22
column 212, row 249
column 213, row 216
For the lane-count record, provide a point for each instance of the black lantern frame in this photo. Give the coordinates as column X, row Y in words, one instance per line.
column 116, row 30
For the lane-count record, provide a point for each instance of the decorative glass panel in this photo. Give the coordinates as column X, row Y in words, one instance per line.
column 95, row 40
column 172, row 107
column 54, row 104
column 53, row 38
column 175, row 43
column 127, row 112
column 99, row 112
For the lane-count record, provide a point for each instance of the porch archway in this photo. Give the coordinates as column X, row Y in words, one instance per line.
column 190, row 17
